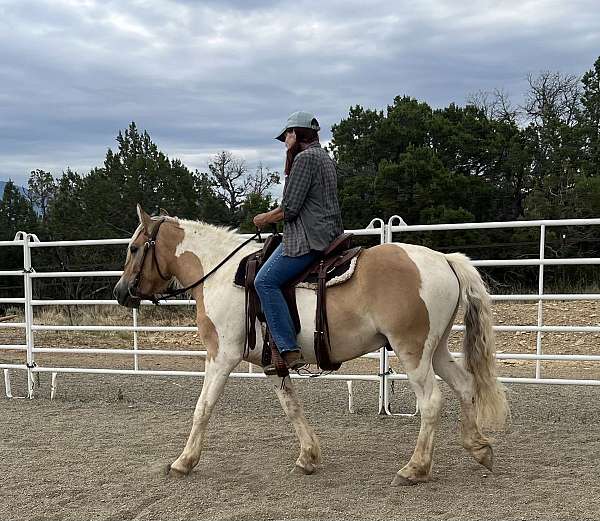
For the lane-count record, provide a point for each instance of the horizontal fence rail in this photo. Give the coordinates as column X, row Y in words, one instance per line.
column 377, row 228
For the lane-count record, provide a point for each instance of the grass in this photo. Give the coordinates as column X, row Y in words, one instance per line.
column 108, row 315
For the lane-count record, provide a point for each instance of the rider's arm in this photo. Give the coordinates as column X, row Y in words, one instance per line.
column 274, row 216
column 298, row 185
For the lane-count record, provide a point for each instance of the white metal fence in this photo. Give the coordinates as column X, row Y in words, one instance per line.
column 384, row 231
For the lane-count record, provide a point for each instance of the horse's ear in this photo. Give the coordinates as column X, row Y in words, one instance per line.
column 163, row 212
column 145, row 219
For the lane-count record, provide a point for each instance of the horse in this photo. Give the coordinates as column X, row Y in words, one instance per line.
column 401, row 294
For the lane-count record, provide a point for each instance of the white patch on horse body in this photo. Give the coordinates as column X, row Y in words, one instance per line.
column 439, row 291
column 439, row 286
column 223, row 302
column 306, row 300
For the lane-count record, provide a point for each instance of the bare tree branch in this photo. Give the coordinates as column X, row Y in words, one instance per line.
column 233, row 182
column 553, row 96
column 496, row 105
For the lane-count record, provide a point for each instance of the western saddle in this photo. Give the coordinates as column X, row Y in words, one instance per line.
column 334, row 261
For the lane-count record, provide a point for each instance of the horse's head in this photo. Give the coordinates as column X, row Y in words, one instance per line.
column 149, row 262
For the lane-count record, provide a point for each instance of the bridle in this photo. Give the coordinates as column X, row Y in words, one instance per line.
column 150, row 245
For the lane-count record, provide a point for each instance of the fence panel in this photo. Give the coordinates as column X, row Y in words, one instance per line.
column 385, row 377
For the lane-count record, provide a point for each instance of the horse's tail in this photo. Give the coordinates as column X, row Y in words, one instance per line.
column 478, row 344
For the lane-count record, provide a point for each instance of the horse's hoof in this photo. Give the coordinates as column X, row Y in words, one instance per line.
column 403, row 481
column 485, row 456
column 305, row 468
column 172, row 472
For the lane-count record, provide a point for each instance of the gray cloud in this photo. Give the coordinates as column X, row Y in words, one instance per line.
column 205, row 76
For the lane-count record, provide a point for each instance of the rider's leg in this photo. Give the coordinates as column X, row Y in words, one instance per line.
column 274, row 273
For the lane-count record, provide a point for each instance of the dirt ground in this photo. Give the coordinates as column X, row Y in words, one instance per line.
column 90, row 455
column 98, row 451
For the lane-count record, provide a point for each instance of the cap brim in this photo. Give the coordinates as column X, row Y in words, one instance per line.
column 281, row 136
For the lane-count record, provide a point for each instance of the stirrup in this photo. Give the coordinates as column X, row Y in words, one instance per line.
column 270, row 370
column 293, row 359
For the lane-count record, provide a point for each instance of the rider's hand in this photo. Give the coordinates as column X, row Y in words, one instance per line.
column 261, row 220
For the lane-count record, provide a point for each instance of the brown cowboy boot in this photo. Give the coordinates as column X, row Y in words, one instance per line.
column 293, row 360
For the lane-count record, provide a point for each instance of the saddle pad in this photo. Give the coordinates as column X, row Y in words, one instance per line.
column 336, row 276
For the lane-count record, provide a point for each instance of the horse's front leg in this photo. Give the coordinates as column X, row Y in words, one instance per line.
column 217, row 372
column 310, row 450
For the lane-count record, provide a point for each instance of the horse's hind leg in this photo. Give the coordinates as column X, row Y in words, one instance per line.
column 421, row 377
column 461, row 382
column 217, row 373
column 310, row 451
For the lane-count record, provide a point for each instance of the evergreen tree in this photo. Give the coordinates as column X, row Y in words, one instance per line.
column 40, row 191
column 66, row 210
column 16, row 213
column 590, row 120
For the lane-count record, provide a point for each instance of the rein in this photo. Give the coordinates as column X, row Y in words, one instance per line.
column 150, row 244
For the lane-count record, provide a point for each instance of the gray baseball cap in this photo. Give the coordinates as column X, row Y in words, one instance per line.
column 299, row 119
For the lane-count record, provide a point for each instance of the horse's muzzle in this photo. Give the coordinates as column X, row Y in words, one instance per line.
column 122, row 293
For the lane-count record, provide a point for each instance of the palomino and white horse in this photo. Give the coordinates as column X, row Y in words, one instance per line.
column 408, row 295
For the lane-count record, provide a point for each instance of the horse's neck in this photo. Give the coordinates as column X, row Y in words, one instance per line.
column 212, row 245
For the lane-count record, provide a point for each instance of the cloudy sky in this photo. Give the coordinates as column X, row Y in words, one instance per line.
column 202, row 76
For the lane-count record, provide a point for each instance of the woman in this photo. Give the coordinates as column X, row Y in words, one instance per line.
column 312, row 220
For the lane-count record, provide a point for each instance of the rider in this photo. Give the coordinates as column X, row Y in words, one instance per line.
column 312, row 220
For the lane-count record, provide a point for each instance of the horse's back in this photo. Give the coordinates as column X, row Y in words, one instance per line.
column 396, row 289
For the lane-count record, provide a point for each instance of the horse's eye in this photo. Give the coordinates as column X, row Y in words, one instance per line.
column 133, row 248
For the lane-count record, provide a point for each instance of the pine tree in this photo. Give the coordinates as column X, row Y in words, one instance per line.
column 16, row 213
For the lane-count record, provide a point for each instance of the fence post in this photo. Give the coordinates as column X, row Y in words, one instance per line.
column 7, row 389
column 384, row 360
column 27, row 283
column 540, row 320
column 384, row 366
column 135, row 340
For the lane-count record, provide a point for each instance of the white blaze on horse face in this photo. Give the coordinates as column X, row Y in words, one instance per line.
column 128, row 266
column 133, row 239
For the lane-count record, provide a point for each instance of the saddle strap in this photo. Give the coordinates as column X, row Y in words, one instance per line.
column 321, row 337
column 289, row 293
column 280, row 365
column 270, row 354
column 252, row 305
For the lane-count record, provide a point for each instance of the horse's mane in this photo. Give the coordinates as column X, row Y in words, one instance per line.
column 205, row 229
column 212, row 242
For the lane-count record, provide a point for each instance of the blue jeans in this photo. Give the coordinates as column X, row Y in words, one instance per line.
column 273, row 274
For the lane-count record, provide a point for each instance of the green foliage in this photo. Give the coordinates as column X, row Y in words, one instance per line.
column 139, row 173
column 479, row 163
column 16, row 213
column 358, row 200
column 41, row 189
column 254, row 204
column 67, row 208
column 590, row 120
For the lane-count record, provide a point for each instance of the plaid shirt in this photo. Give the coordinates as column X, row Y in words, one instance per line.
column 310, row 204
